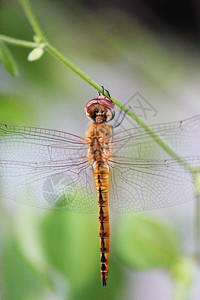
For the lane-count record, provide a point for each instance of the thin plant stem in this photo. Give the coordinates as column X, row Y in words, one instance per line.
column 60, row 57
column 54, row 52
column 32, row 19
column 17, row 42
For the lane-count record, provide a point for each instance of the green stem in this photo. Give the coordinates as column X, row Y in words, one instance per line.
column 32, row 19
column 17, row 42
column 56, row 54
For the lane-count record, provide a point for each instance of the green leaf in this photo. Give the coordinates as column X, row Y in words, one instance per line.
column 183, row 272
column 35, row 54
column 144, row 243
column 19, row 280
column 72, row 243
column 8, row 60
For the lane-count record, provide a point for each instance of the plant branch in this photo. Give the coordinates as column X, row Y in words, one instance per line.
column 56, row 54
column 32, row 19
column 17, row 42
column 60, row 57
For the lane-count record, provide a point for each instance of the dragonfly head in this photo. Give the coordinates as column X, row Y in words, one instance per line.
column 100, row 109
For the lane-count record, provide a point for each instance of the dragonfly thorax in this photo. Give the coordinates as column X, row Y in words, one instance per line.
column 98, row 140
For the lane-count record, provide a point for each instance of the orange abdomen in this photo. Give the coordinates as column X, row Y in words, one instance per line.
column 101, row 174
column 99, row 140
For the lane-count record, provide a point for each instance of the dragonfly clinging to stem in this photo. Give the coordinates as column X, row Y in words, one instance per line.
column 122, row 170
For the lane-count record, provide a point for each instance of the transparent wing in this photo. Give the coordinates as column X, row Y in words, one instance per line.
column 49, row 169
column 143, row 175
column 183, row 137
column 46, row 168
column 146, row 184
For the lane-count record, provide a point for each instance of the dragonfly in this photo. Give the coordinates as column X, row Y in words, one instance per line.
column 108, row 169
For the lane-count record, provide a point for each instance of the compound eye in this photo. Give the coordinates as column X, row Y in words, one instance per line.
column 106, row 108
column 106, row 103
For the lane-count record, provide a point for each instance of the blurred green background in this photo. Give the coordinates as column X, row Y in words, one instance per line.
column 126, row 48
